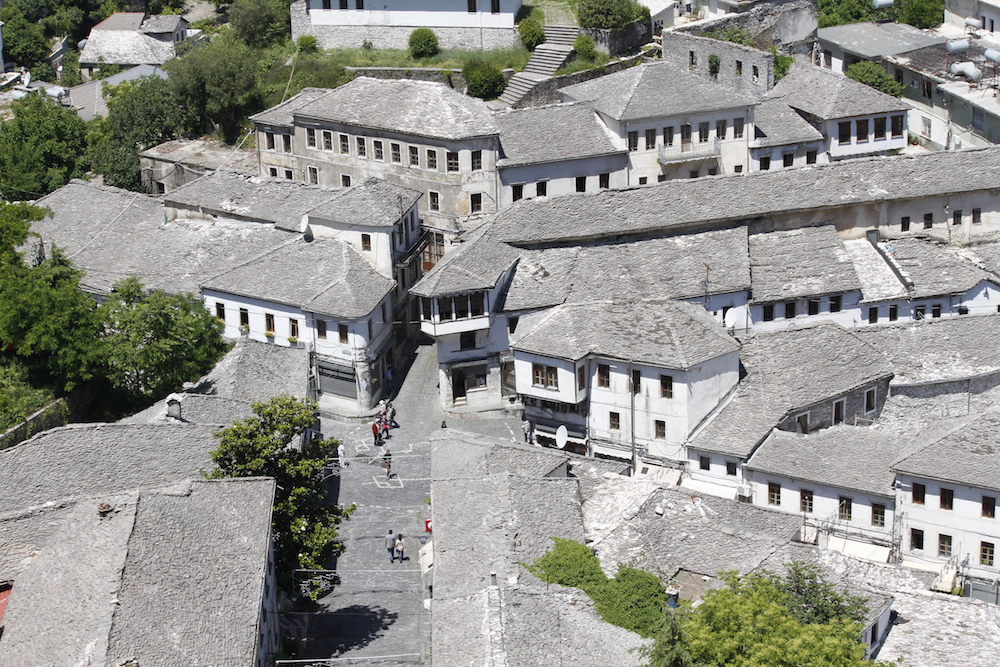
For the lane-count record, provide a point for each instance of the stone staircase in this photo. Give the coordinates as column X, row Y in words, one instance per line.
column 547, row 58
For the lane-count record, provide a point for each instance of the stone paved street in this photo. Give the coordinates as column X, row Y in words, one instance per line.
column 376, row 615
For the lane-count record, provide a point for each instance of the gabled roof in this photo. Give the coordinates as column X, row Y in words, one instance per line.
column 777, row 124
column 324, row 276
column 673, row 266
column 668, row 334
column 121, row 21
column 373, row 203
column 796, row 263
column 786, row 371
column 419, row 108
column 88, row 98
column 283, row 114
column 830, row 457
column 827, row 95
column 557, row 133
column 162, row 23
column 478, row 265
column 656, row 90
column 961, row 451
column 932, row 269
column 878, row 39
column 124, row 47
column 878, row 281
column 111, row 234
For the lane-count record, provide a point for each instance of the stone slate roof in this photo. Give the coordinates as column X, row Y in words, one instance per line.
column 656, row 90
column 254, row 371
column 827, row 95
column 678, row 530
column 420, row 108
column 786, row 371
column 558, row 133
column 932, row 269
column 205, row 154
column 122, row 21
column 111, row 234
column 88, row 100
column 663, row 267
column 478, row 265
column 124, row 47
column 961, row 451
column 224, row 528
column 324, row 276
column 458, row 454
column 283, row 114
column 668, row 334
column 195, row 409
column 777, row 124
column 877, row 279
column 830, row 457
column 796, row 263
column 735, row 198
column 92, row 459
column 373, row 203
column 875, row 39
column 935, row 350
column 161, row 23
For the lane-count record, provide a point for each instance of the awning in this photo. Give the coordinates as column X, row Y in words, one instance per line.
column 872, row 552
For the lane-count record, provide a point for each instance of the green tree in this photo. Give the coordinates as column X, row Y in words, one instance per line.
column 70, row 75
column 670, row 648
column 813, row 599
column 610, row 14
column 260, row 23
column 41, row 147
column 870, row 74
column 484, row 79
column 842, row 12
column 23, row 41
column 217, row 84
column 531, row 33
column 141, row 114
column 304, row 525
column 585, row 48
column 782, row 64
column 922, row 13
column 46, row 320
column 154, row 342
column 423, row 43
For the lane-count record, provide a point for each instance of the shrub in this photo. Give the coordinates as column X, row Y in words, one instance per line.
column 735, row 35
column 483, row 79
column 713, row 65
column 585, row 47
column 873, row 75
column 610, row 14
column 423, row 43
column 308, row 45
column 531, row 32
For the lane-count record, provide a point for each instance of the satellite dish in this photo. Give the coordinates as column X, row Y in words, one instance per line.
column 562, row 435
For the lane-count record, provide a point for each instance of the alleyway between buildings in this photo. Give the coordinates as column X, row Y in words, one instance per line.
column 376, row 614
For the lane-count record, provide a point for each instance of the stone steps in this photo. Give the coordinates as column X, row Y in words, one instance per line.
column 547, row 58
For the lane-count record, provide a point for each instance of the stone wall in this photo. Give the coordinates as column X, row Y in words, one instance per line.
column 52, row 415
column 678, row 48
column 397, row 37
column 916, row 406
column 789, row 25
column 620, row 42
column 547, row 91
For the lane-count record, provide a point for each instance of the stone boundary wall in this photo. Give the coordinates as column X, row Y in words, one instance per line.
column 789, row 25
column 620, row 42
column 678, row 46
column 954, row 398
column 547, row 91
column 52, row 415
column 397, row 37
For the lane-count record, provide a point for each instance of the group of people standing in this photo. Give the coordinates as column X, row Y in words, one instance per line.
column 380, row 431
column 395, row 545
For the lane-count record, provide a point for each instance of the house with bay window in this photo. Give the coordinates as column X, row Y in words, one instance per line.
column 627, row 379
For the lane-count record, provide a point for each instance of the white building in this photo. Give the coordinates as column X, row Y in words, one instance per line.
column 469, row 25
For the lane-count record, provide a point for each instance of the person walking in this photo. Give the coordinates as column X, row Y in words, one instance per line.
column 341, row 453
column 384, row 425
column 390, row 414
column 390, row 545
column 377, row 433
column 526, row 427
column 387, row 462
column 400, row 547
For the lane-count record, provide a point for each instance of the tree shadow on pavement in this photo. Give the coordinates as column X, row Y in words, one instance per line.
column 347, row 629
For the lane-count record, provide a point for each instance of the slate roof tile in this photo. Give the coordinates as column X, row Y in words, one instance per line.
column 828, row 95
column 538, row 135
column 796, row 263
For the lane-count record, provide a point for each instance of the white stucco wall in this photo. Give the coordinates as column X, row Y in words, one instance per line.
column 560, row 177
column 431, row 13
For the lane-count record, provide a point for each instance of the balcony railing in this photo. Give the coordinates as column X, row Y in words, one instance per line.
column 686, row 151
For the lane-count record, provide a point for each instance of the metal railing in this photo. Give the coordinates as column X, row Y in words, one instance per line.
column 690, row 151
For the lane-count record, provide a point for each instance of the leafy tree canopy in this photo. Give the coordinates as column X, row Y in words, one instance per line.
column 873, row 75
column 23, row 41
column 922, row 13
column 154, row 342
column 260, row 23
column 41, row 148
column 304, row 526
column 484, row 79
column 842, row 12
column 610, row 14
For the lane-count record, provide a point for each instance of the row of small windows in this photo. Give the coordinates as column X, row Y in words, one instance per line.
column 360, row 5
column 704, row 129
column 378, row 146
column 787, row 160
column 705, row 463
column 293, row 324
column 714, row 69
column 542, row 187
column 946, row 500
column 845, row 505
column 957, row 216
column 862, row 133
column 450, row 308
column 987, row 550
column 790, row 309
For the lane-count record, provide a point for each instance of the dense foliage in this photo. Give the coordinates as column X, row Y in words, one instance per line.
column 423, row 43
column 260, row 23
column 921, row 13
column 531, row 32
column 610, row 14
column 918, row 13
column 873, row 75
column 731, row 34
column 483, row 79
column 304, row 525
column 585, row 48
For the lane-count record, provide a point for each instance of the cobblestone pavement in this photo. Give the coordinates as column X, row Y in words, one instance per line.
column 376, row 614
